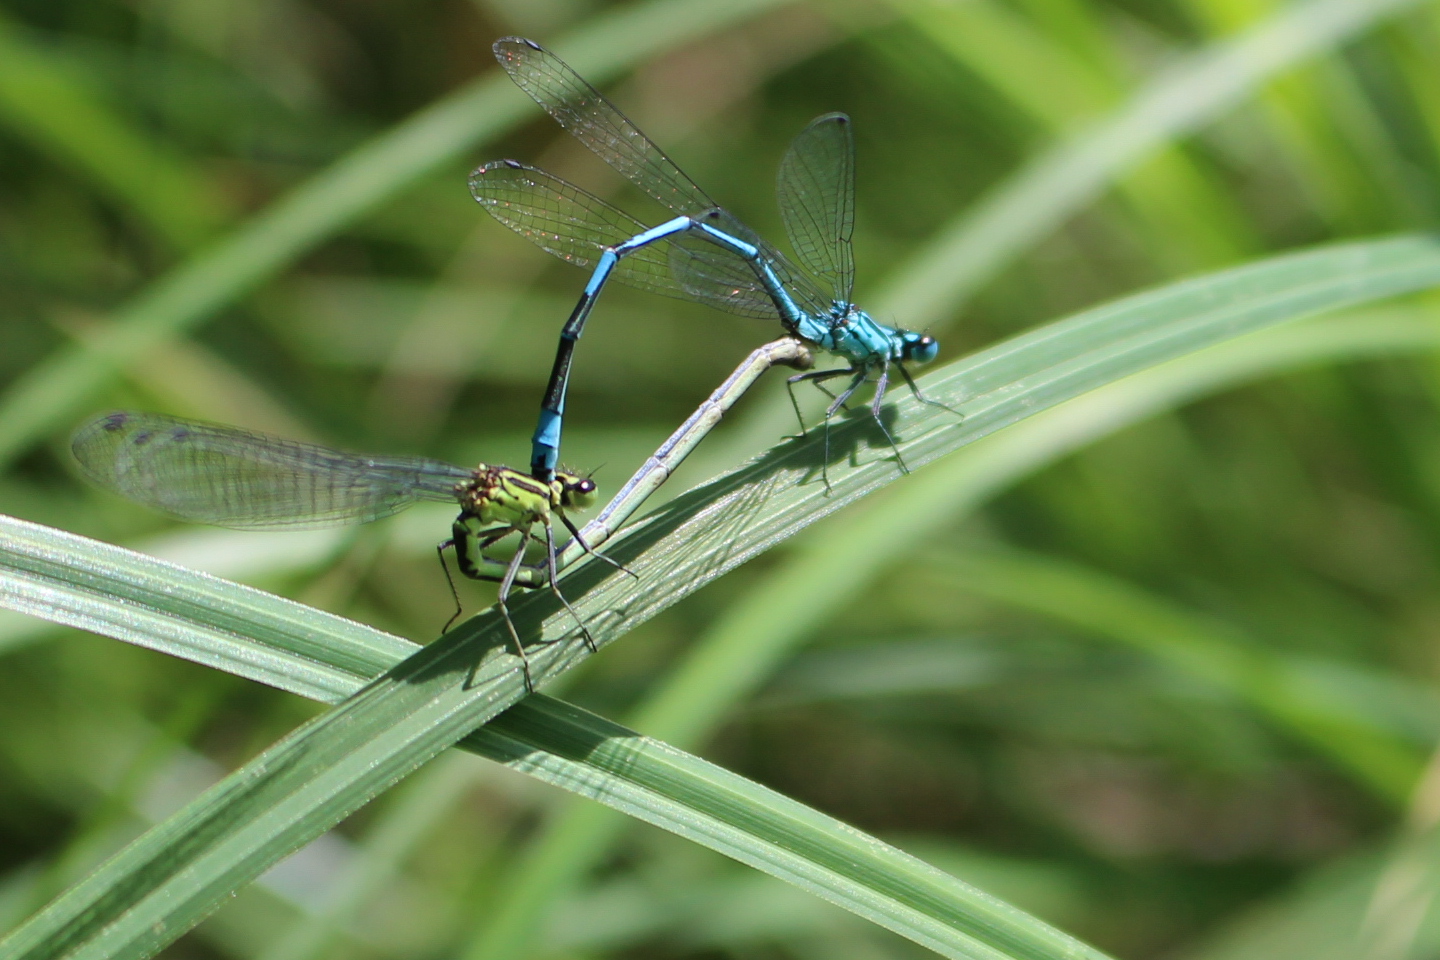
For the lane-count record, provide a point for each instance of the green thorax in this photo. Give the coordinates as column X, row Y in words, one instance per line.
column 497, row 502
column 500, row 495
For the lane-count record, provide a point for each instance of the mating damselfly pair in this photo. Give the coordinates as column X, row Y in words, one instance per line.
column 232, row 477
column 704, row 253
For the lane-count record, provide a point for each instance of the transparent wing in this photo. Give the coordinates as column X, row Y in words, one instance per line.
column 729, row 282
column 568, row 222
column 599, row 124
column 719, row 279
column 704, row 272
column 816, row 189
column 576, row 226
column 209, row 473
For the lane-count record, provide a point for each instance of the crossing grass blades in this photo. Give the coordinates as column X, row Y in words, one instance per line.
column 222, row 475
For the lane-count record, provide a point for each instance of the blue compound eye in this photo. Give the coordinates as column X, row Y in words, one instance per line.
column 920, row 347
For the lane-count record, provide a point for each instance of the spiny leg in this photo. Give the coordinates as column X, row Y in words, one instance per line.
column 816, row 377
column 839, row 402
column 458, row 536
column 555, row 587
column 880, row 386
column 505, row 586
column 915, row 389
column 455, row 594
column 795, row 404
column 575, row 532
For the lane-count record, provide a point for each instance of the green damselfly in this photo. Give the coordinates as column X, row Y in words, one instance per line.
column 230, row 477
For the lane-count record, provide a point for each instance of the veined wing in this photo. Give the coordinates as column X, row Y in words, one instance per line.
column 577, row 226
column 568, row 222
column 705, row 272
column 208, row 473
column 816, row 190
column 701, row 265
column 599, row 124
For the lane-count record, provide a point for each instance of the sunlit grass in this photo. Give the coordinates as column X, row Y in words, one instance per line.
column 1202, row 682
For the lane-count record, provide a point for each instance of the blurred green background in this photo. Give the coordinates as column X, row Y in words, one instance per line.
column 1094, row 696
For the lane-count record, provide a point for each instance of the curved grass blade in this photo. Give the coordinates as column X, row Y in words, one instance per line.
column 355, row 652
column 178, row 872
column 741, row 650
column 46, row 101
column 325, row 657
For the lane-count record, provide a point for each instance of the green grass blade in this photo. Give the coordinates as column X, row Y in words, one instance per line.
column 174, row 875
column 1200, row 221
column 1357, row 736
column 773, row 833
column 1055, row 185
column 42, row 399
column 151, row 603
column 132, row 597
column 732, row 659
column 57, row 112
column 766, row 625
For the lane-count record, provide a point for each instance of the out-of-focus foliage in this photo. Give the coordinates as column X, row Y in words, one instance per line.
column 1024, row 702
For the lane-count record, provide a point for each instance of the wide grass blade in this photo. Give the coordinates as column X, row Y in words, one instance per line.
column 831, row 565
column 179, row 871
column 158, row 605
column 79, row 582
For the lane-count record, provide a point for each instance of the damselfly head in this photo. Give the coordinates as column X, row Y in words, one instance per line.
column 918, row 347
column 576, row 492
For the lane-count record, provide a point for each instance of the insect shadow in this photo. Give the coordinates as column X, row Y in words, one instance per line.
column 725, row 504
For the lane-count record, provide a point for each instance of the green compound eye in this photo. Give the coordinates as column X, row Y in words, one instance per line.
column 579, row 492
